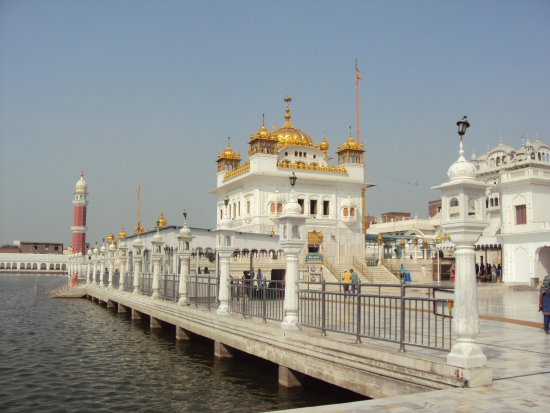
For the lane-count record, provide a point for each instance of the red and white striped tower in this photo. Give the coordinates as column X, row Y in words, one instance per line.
column 80, row 203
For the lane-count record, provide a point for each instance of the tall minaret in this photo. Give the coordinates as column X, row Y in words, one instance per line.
column 79, row 221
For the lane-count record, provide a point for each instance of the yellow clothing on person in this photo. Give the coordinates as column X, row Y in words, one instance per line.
column 346, row 277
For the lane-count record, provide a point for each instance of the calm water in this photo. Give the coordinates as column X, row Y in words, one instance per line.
column 73, row 355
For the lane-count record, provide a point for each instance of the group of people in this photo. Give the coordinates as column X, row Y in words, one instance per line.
column 260, row 279
column 350, row 279
column 492, row 273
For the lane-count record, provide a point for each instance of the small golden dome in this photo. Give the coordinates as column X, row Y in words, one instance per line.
column 110, row 238
column 161, row 221
column 438, row 239
column 139, row 229
column 122, row 234
column 229, row 153
column 351, row 144
column 324, row 145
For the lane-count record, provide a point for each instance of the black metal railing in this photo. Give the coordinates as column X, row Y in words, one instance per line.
column 169, row 284
column 404, row 314
column 202, row 290
column 129, row 282
column 146, row 284
column 116, row 280
column 263, row 299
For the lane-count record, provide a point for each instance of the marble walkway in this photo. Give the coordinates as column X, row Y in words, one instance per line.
column 517, row 350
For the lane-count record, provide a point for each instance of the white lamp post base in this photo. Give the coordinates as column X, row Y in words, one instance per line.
column 290, row 322
column 223, row 309
column 467, row 354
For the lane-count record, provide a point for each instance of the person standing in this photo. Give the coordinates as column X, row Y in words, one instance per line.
column 490, row 275
column 354, row 281
column 346, row 278
column 402, row 272
column 544, row 302
column 260, row 278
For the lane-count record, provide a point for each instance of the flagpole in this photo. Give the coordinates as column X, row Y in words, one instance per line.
column 357, row 79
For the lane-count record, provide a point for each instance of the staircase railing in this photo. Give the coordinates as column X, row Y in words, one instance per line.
column 362, row 269
column 332, row 269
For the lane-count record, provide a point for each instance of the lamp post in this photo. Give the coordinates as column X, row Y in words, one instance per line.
column 137, row 260
column 292, row 243
column 184, row 252
column 157, row 257
column 89, row 266
column 102, row 252
column 111, row 258
column 123, row 258
column 224, row 249
column 95, row 259
column 463, row 218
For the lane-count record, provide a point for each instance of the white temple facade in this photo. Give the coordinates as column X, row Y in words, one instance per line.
column 332, row 197
column 517, row 198
column 517, row 207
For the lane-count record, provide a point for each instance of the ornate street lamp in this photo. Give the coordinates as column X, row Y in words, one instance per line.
column 463, row 124
column 293, row 179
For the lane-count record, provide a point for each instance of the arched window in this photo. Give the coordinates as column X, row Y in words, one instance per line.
column 498, row 161
column 346, row 212
column 280, row 208
column 247, row 207
column 492, row 202
column 221, row 213
column 352, row 211
column 272, row 208
column 496, row 201
column 453, row 202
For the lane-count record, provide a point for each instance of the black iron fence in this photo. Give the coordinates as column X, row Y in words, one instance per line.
column 129, row 282
column 202, row 290
column 146, row 284
column 405, row 314
column 169, row 285
column 263, row 299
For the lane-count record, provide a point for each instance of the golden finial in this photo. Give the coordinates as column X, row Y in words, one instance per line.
column 161, row 221
column 122, row 234
column 288, row 116
column 324, row 145
column 110, row 238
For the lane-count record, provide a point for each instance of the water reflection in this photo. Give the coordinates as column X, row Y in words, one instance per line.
column 72, row 355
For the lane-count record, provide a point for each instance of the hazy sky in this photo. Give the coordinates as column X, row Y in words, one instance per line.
column 148, row 91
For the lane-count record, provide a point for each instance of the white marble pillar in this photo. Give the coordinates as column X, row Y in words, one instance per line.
column 102, row 265
column 157, row 257
column 137, row 258
column 111, row 260
column 122, row 258
column 463, row 217
column 292, row 251
column 89, row 267
column 225, row 287
column 292, row 241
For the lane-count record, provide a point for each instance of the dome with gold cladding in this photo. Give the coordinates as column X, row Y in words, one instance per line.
column 288, row 134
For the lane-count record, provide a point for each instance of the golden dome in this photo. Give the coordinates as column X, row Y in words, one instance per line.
column 161, row 221
column 288, row 135
column 324, row 145
column 122, row 234
column 438, row 239
column 139, row 229
column 351, row 144
column 110, row 238
column 229, row 153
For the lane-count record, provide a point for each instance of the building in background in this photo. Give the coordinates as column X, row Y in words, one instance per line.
column 332, row 196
